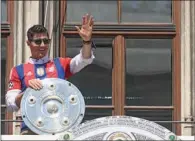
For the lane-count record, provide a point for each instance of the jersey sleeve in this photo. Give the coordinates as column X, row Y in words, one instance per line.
column 14, row 81
column 65, row 62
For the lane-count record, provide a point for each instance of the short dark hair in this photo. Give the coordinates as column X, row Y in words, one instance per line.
column 36, row 29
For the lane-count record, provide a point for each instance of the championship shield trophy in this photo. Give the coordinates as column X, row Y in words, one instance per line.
column 59, row 107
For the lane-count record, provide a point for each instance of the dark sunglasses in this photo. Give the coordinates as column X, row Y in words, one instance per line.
column 39, row 41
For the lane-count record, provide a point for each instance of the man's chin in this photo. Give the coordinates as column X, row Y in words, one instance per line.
column 41, row 55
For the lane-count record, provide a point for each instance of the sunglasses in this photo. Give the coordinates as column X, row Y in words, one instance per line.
column 39, row 41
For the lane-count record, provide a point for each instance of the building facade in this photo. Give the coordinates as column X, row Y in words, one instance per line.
column 145, row 56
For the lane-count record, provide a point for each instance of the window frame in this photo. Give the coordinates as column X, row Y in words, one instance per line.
column 121, row 31
column 7, row 32
column 119, row 19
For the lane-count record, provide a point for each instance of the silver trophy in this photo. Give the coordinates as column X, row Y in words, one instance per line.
column 59, row 108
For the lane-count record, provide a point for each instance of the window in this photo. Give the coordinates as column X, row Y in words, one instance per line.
column 104, row 11
column 141, row 62
column 97, row 89
column 3, row 10
column 6, row 61
column 154, row 115
column 121, row 11
column 90, row 113
column 149, row 78
column 146, row 11
column 148, row 72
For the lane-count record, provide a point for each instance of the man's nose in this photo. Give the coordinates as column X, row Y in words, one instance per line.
column 42, row 44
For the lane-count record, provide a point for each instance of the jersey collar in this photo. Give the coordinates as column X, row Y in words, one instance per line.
column 43, row 60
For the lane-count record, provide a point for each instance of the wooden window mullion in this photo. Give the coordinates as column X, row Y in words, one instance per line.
column 177, row 66
column 62, row 15
column 9, row 60
column 119, row 83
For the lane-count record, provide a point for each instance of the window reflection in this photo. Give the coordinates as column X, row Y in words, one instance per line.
column 146, row 11
column 95, row 80
column 3, row 74
column 103, row 11
column 148, row 72
column 159, row 116
column 3, row 10
column 91, row 114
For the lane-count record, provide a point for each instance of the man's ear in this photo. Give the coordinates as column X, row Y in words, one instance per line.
column 28, row 42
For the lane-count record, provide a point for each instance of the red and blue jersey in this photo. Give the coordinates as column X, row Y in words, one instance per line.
column 21, row 74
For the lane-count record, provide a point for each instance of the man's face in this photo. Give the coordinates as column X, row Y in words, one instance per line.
column 39, row 45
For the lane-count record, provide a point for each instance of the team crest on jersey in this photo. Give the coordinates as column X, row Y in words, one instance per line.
column 10, row 85
column 40, row 71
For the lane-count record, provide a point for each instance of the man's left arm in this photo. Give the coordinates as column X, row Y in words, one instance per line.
column 84, row 58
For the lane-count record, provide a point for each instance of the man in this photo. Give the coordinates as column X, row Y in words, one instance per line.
column 39, row 66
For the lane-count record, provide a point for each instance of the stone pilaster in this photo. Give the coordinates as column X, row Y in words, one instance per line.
column 192, row 43
column 187, row 64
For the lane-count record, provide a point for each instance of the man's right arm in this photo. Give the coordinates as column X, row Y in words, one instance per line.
column 13, row 93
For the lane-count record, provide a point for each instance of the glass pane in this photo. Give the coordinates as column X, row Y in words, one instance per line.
column 148, row 72
column 146, row 11
column 3, row 10
column 3, row 74
column 95, row 80
column 153, row 115
column 3, row 68
column 102, row 11
column 96, row 113
column 2, row 128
